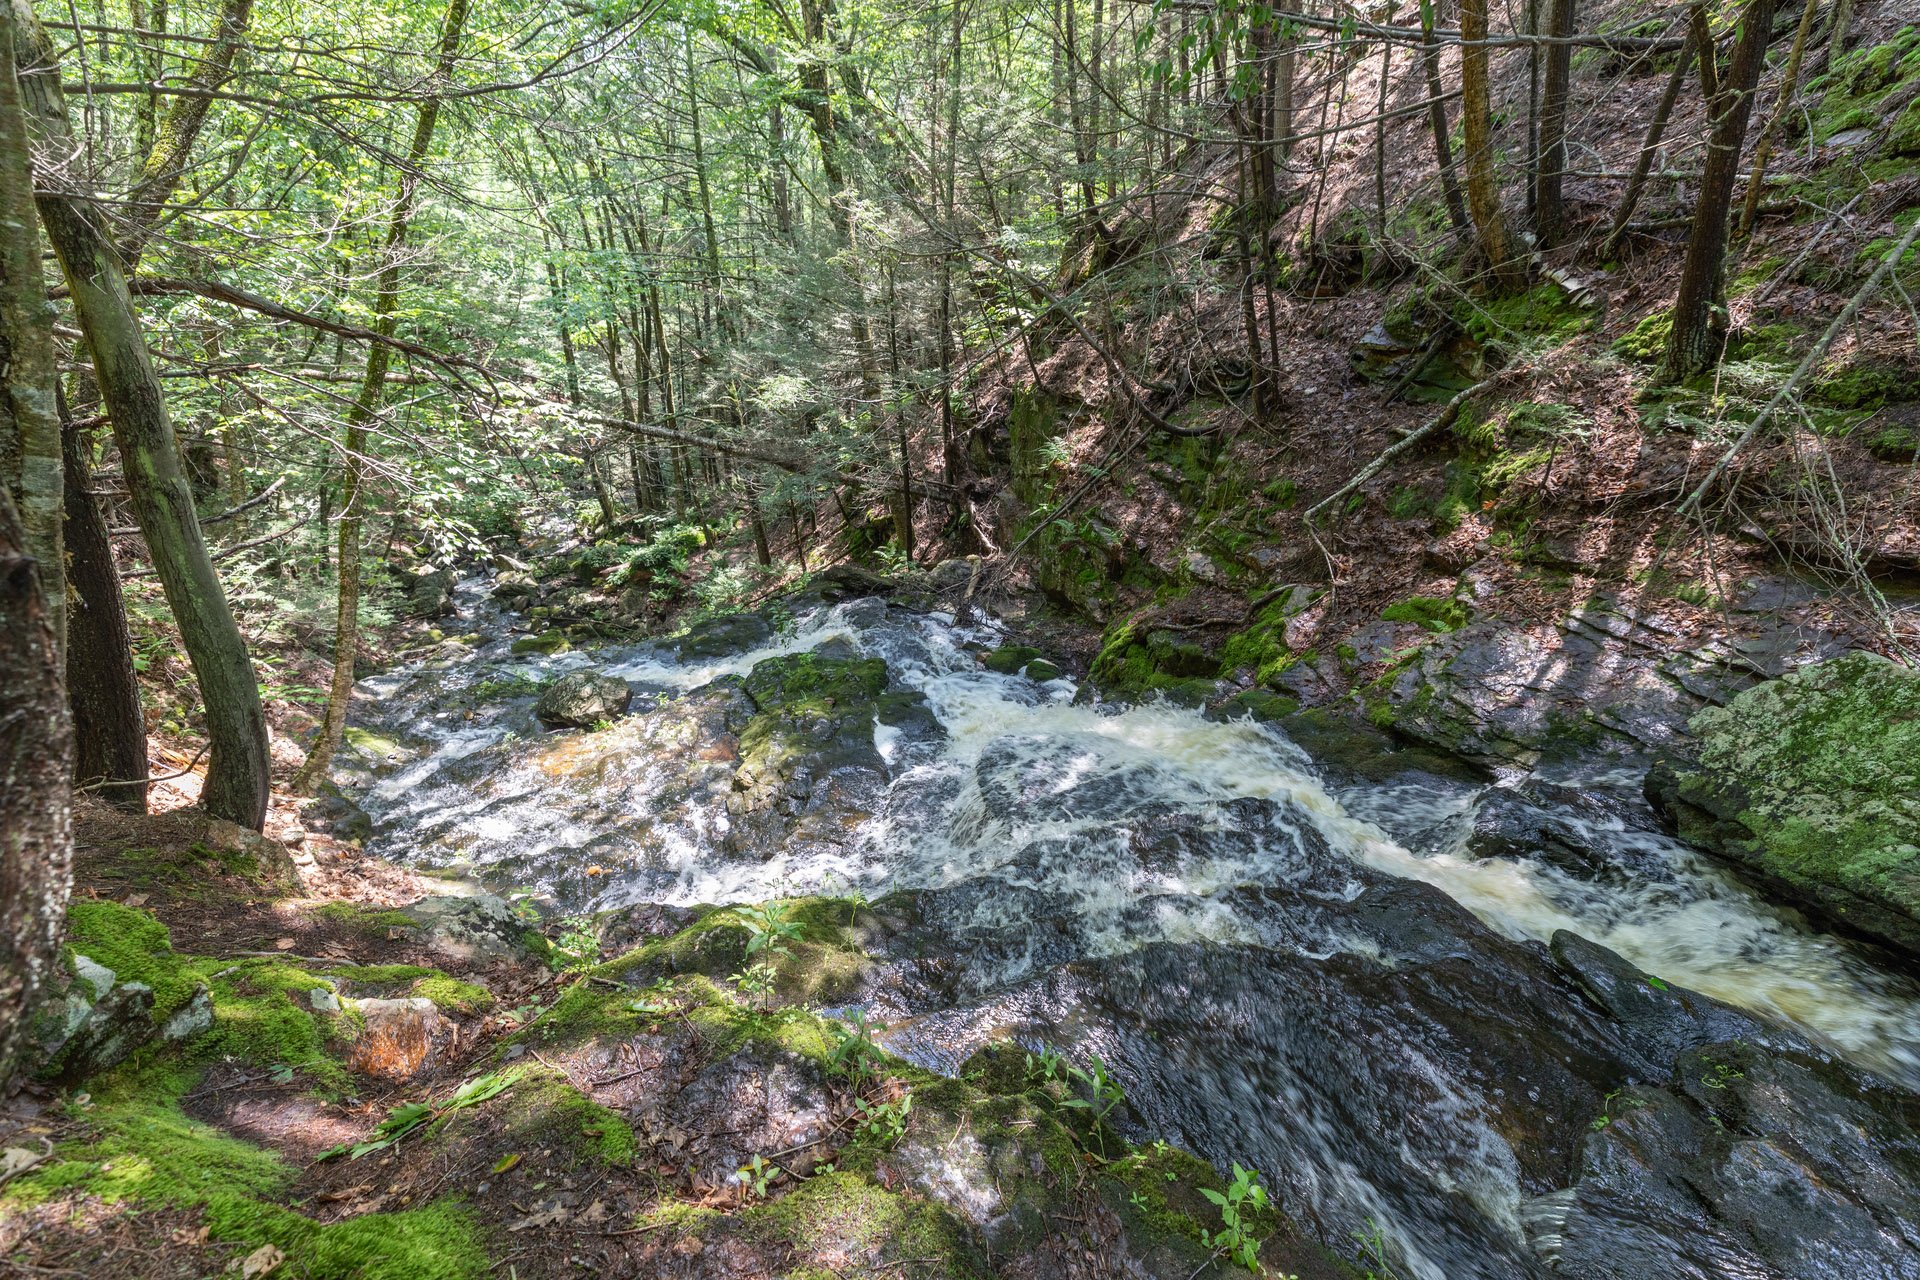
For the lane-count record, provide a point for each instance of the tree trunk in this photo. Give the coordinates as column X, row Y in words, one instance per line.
column 346, row 639
column 29, row 429
column 238, row 768
column 110, row 733
column 36, row 740
column 1483, row 195
column 1763, row 150
column 1700, row 310
column 1656, row 129
column 179, row 128
column 1549, row 193
column 1437, row 120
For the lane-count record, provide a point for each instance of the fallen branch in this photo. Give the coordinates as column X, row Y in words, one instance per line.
column 1793, row 268
column 228, row 514
column 1444, row 419
column 1810, row 362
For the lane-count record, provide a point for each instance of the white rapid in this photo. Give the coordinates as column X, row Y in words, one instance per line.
column 1133, row 830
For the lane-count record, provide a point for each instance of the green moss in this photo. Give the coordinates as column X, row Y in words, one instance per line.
column 1430, row 612
column 1544, row 312
column 352, row 915
column 136, row 947
column 544, row 1110
column 1009, row 659
column 1862, row 385
column 138, row 1147
column 1851, row 92
column 454, row 996
column 1816, row 780
column 1646, row 341
column 842, row 1206
column 1260, row 705
column 1262, row 647
column 546, row 642
column 367, row 742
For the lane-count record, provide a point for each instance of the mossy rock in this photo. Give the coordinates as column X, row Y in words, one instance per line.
column 546, row 642
column 1810, row 784
column 1257, row 704
column 1647, row 340
column 1009, row 659
column 1434, row 614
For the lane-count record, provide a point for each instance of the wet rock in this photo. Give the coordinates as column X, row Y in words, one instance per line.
column 724, row 636
column 1810, row 786
column 513, row 588
column 1749, row 1163
column 472, row 929
column 810, row 767
column 333, row 812
column 1501, row 694
column 849, row 582
column 401, row 1040
column 1662, row 1021
column 550, row 641
column 1009, row 659
column 581, row 699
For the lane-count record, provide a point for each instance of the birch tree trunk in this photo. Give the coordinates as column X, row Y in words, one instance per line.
column 36, row 740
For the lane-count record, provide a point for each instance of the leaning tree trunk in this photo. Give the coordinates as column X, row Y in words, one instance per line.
column 36, row 740
column 346, row 636
column 1700, row 310
column 1476, row 121
column 238, row 769
column 110, row 735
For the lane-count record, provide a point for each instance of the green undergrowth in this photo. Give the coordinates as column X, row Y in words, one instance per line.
column 1853, row 91
column 261, row 1012
column 134, row 1144
column 1030, row 1133
column 449, row 994
column 1430, row 612
column 823, row 963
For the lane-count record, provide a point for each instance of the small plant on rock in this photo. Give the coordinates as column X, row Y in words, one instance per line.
column 854, row 1053
column 1235, row 1238
column 884, row 1123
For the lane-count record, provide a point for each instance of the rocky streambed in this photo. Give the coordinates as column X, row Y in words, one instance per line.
column 1492, row 1025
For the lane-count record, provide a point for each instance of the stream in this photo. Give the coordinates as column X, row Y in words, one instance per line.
column 1312, row 965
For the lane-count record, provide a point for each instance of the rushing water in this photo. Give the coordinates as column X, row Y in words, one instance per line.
column 1139, row 846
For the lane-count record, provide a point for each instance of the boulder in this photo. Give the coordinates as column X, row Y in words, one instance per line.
column 90, row 1021
column 552, row 640
column 402, row 1038
column 1809, row 785
column 431, row 595
column 809, row 765
column 468, row 929
column 582, row 698
column 513, row 587
column 724, row 636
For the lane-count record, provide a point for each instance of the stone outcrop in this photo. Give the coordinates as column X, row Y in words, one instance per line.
column 1810, row 786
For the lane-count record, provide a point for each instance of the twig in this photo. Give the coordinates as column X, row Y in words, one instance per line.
column 1793, row 267
column 1444, row 419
